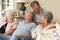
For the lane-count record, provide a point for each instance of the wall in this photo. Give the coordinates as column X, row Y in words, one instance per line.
column 52, row 5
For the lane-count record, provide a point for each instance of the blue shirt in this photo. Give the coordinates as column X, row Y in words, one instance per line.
column 24, row 28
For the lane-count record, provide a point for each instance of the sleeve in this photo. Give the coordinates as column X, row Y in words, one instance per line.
column 33, row 27
column 2, row 21
column 34, row 33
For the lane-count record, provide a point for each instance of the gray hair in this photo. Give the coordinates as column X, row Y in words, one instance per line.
column 48, row 15
column 28, row 12
column 8, row 12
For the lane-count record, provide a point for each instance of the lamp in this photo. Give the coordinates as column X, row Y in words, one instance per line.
column 22, row 2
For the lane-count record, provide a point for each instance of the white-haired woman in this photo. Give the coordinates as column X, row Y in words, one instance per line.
column 7, row 24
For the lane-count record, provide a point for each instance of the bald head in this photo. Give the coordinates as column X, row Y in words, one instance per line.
column 28, row 16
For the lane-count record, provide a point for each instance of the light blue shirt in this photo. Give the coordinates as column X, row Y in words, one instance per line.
column 24, row 28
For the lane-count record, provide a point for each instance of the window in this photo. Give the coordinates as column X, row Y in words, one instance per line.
column 4, row 4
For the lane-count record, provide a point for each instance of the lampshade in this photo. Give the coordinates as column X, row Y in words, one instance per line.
column 22, row 1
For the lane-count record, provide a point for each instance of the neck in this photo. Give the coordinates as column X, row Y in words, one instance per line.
column 45, row 25
column 27, row 21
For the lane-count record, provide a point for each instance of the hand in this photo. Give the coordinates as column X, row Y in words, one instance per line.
column 20, row 36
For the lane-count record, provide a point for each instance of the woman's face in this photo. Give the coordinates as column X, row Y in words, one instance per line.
column 11, row 16
column 28, row 16
column 43, row 20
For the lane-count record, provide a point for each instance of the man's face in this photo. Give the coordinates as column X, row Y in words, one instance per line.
column 28, row 17
column 36, row 8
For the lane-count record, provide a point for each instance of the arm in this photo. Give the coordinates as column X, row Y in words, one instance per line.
column 34, row 34
column 33, row 31
column 36, row 31
column 11, row 30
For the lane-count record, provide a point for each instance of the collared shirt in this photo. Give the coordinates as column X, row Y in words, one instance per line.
column 12, row 25
column 24, row 28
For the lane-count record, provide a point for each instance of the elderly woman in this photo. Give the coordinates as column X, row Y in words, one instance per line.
column 24, row 29
column 7, row 24
column 46, row 30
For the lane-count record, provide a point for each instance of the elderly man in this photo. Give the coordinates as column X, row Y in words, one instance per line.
column 24, row 28
column 37, row 11
column 7, row 24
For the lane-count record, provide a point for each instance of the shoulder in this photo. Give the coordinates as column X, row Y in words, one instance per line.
column 32, row 23
column 39, row 26
column 20, row 22
column 3, row 19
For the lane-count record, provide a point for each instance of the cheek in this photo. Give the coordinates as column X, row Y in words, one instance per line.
column 34, row 8
column 42, row 20
column 11, row 17
column 37, row 10
column 28, row 18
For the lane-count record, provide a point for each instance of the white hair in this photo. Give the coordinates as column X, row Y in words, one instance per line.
column 8, row 12
column 28, row 12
